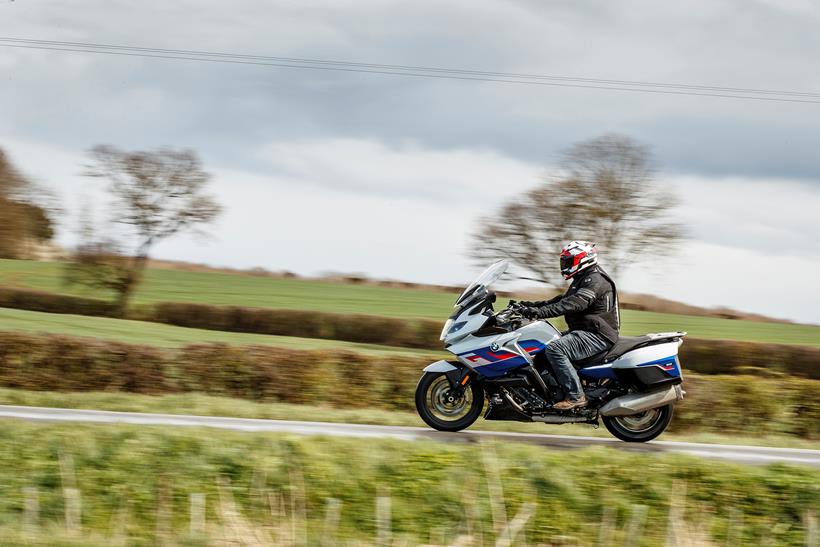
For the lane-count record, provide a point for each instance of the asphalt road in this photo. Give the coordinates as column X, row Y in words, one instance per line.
column 735, row 453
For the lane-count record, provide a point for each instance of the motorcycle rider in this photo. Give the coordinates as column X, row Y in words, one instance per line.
column 590, row 307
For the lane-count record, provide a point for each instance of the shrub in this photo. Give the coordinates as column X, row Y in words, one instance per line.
column 55, row 303
column 368, row 329
column 729, row 357
column 345, row 379
column 697, row 355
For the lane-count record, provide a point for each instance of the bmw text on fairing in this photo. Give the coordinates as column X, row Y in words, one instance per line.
column 499, row 357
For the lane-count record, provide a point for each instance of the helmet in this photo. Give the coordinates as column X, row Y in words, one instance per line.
column 576, row 256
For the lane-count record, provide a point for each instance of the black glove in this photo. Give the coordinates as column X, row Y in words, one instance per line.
column 529, row 312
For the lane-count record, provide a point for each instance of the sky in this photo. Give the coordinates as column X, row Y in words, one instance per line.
column 388, row 176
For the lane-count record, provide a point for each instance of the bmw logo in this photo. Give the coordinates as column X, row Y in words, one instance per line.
column 494, row 347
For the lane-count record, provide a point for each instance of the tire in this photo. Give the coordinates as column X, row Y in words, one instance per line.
column 632, row 430
column 440, row 414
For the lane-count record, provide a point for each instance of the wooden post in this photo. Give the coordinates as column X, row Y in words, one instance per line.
column 73, row 510
column 607, row 529
column 31, row 509
column 333, row 511
column 197, row 514
column 383, row 526
column 635, row 527
column 812, row 535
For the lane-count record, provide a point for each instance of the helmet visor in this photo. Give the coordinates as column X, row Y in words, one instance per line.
column 567, row 261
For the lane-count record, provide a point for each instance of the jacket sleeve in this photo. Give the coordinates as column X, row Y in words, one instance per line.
column 577, row 302
column 540, row 303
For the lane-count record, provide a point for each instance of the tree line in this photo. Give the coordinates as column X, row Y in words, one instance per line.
column 22, row 221
column 603, row 190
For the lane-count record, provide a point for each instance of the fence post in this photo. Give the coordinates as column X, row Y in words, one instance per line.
column 383, row 521
column 333, row 511
column 197, row 514
column 31, row 509
column 73, row 510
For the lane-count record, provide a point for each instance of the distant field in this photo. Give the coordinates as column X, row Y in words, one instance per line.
column 245, row 290
column 266, row 292
column 167, row 336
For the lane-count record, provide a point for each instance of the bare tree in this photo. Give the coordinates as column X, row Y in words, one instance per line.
column 156, row 195
column 605, row 192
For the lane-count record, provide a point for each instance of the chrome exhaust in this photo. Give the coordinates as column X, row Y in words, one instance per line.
column 636, row 403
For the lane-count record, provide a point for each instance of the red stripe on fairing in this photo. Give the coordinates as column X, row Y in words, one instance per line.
column 473, row 358
column 667, row 367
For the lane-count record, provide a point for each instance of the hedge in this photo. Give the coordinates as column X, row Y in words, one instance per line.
column 698, row 355
column 370, row 329
column 740, row 404
column 55, row 303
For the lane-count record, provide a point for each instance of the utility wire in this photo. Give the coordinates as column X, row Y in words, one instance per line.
column 406, row 67
column 417, row 71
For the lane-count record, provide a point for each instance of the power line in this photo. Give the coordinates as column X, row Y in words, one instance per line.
column 417, row 71
column 411, row 67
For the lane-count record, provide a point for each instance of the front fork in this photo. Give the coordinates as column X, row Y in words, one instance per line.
column 458, row 379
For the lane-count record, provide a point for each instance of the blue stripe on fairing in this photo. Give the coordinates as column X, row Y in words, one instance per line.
column 499, row 367
column 598, row 372
column 671, row 360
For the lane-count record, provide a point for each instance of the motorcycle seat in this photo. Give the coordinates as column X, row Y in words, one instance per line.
column 623, row 345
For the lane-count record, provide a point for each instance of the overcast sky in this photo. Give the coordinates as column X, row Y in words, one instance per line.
column 388, row 175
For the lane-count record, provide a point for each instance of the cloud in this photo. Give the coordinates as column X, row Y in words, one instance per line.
column 408, row 170
column 388, row 175
column 774, row 216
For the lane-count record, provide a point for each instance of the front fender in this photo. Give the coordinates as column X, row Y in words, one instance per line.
column 440, row 366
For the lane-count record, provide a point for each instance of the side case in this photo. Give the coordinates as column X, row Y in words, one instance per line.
column 650, row 366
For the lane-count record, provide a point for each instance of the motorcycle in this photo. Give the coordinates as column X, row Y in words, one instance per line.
column 499, row 358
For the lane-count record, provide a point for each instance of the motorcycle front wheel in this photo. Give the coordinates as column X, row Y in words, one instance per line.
column 443, row 410
column 640, row 428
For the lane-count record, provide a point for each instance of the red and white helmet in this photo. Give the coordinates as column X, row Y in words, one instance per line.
column 576, row 256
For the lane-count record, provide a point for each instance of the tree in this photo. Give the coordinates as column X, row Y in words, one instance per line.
column 605, row 191
column 155, row 195
column 21, row 221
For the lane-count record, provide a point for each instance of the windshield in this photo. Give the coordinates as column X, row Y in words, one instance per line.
column 483, row 281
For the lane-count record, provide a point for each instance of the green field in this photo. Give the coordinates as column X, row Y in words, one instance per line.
column 168, row 336
column 254, row 291
column 132, row 485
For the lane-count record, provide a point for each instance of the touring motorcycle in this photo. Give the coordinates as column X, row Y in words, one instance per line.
column 499, row 358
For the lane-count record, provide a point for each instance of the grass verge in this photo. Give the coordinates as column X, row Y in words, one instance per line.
column 130, row 485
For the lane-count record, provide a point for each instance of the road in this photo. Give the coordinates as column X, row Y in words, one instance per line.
column 735, row 453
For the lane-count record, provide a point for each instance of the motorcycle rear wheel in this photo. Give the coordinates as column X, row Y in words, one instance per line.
column 642, row 427
column 441, row 410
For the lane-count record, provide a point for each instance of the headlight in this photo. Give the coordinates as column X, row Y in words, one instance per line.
column 451, row 328
column 446, row 329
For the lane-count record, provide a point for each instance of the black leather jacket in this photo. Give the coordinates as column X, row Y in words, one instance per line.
column 590, row 304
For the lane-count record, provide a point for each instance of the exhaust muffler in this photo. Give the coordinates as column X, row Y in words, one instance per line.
column 636, row 403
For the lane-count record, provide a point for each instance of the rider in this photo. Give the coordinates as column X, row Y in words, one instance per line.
column 590, row 307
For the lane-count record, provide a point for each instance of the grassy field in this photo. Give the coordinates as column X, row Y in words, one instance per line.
column 168, row 336
column 203, row 405
column 246, row 290
column 130, row 485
